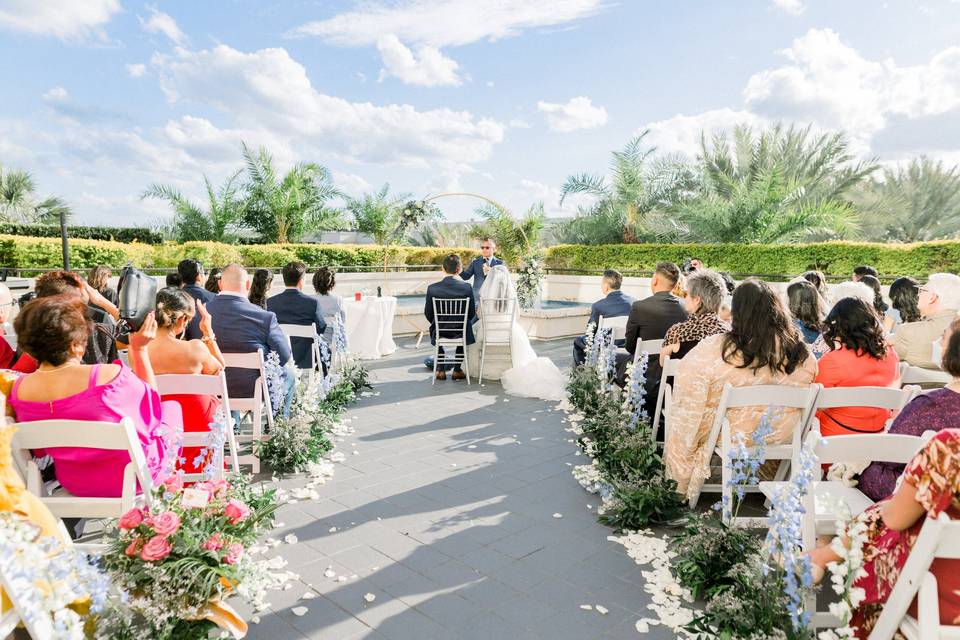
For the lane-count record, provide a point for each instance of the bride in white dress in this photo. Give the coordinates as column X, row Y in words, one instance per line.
column 524, row 374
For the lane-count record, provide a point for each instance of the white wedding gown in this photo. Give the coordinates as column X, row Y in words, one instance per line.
column 524, row 374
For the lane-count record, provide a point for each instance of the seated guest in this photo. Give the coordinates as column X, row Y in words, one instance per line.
column 937, row 302
column 55, row 331
column 191, row 273
column 858, row 357
column 170, row 354
column 705, row 291
column 762, row 347
column 260, row 287
column 293, row 306
column 7, row 303
column 99, row 278
column 864, row 270
column 331, row 305
column 101, row 344
column 930, row 487
column 851, row 289
column 174, row 281
column 933, row 410
column 242, row 327
column 904, row 296
column 213, row 281
column 806, row 307
column 819, row 282
column 613, row 304
column 452, row 286
column 878, row 303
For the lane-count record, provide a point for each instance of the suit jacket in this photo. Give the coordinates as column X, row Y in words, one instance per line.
column 913, row 341
column 192, row 332
column 293, row 306
column 450, row 287
column 615, row 304
column 243, row 327
column 651, row 317
column 475, row 270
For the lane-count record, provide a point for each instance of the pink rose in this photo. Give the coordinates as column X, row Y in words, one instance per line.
column 213, row 543
column 157, row 548
column 173, row 483
column 234, row 553
column 131, row 519
column 166, row 524
column 133, row 548
column 236, row 511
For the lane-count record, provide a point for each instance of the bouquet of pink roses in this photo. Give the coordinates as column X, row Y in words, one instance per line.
column 181, row 557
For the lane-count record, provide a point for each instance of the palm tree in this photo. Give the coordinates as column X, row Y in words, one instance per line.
column 220, row 220
column 912, row 204
column 516, row 239
column 377, row 214
column 781, row 185
column 18, row 200
column 627, row 203
column 283, row 209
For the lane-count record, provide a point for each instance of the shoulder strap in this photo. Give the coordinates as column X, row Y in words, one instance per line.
column 94, row 371
column 16, row 386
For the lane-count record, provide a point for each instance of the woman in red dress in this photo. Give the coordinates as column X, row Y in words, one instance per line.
column 171, row 354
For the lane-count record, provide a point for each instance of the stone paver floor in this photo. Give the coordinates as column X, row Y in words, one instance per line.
column 446, row 515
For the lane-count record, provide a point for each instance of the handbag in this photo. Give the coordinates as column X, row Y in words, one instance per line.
column 138, row 297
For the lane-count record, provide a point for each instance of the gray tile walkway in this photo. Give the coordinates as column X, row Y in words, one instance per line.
column 446, row 516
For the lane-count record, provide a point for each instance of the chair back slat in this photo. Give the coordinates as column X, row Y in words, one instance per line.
column 876, row 447
column 450, row 317
column 651, row 347
column 873, row 397
column 616, row 324
column 910, row 374
column 498, row 316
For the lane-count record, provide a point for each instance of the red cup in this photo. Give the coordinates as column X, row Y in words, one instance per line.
column 357, row 296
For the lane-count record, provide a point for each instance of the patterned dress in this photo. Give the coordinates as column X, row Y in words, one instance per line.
column 935, row 472
column 688, row 334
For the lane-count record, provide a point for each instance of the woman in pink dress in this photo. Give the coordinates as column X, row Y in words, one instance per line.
column 54, row 330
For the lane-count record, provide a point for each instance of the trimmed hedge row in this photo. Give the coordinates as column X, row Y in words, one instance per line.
column 120, row 234
column 45, row 253
column 833, row 258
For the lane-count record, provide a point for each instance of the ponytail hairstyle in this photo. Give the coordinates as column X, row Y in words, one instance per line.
column 173, row 304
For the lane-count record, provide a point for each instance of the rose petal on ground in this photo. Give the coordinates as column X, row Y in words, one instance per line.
column 300, row 611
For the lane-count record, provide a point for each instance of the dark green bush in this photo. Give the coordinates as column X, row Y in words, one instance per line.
column 119, row 234
column 706, row 551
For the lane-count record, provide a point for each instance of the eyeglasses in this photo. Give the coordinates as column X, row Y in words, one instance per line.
column 10, row 304
column 485, row 248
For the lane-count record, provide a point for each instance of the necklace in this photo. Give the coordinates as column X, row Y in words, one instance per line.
column 65, row 365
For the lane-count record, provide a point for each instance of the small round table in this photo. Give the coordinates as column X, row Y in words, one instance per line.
column 369, row 326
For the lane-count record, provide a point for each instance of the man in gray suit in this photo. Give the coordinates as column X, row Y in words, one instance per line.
column 613, row 304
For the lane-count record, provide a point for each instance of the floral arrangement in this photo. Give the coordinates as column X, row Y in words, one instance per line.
column 57, row 586
column 179, row 559
column 275, row 386
column 414, row 214
column 340, row 345
column 848, row 544
column 633, row 399
column 529, row 280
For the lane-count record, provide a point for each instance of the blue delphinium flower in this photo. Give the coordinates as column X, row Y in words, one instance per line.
column 339, row 336
column 744, row 464
column 591, row 346
column 274, row 372
column 636, row 391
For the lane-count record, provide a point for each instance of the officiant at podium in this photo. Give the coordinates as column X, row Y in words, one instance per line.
column 480, row 267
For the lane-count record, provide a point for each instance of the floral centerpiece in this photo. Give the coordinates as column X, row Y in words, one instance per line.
column 181, row 558
column 529, row 281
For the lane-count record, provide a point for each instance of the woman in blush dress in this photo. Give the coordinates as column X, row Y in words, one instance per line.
column 54, row 331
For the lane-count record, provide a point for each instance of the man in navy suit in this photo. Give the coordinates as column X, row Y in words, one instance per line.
column 191, row 274
column 451, row 287
column 613, row 304
column 293, row 306
column 480, row 267
column 243, row 327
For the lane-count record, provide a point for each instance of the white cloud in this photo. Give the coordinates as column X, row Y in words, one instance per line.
column 350, row 183
column 136, row 70
column 793, row 7
column 269, row 90
column 160, row 22
column 577, row 113
column 56, row 94
column 63, row 19
column 440, row 23
column 528, row 192
column 427, row 68
column 519, row 123
column 681, row 134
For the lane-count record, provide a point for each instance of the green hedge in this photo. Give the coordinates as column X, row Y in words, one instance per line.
column 120, row 234
column 833, row 258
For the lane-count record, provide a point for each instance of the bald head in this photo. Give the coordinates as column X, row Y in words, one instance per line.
column 5, row 299
column 234, row 279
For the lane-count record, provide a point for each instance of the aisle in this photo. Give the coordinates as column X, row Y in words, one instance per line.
column 446, row 516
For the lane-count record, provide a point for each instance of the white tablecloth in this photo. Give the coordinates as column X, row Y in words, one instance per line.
column 369, row 326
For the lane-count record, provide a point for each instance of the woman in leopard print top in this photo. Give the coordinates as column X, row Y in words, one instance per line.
column 705, row 291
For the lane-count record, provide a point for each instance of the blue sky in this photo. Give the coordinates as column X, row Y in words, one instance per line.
column 503, row 97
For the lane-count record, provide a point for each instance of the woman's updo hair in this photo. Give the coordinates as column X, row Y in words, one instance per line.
column 324, row 280
column 52, row 327
column 173, row 304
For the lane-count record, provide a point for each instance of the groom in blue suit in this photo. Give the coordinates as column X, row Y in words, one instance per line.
column 480, row 267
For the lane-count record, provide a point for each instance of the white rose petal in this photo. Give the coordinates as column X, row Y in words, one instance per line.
column 290, row 538
column 300, row 611
column 369, row 597
column 602, row 610
column 586, row 607
column 309, row 595
column 330, row 573
column 558, row 515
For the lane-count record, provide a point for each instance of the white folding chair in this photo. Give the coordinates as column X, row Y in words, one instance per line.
column 871, row 397
column 910, row 374
column 450, row 333
column 203, row 385
column 84, row 434
column 309, row 332
column 616, row 324
column 719, row 441
column 497, row 316
column 665, row 395
column 939, row 538
column 651, row 347
column 256, row 404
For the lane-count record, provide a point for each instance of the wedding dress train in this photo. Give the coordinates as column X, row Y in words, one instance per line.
column 524, row 374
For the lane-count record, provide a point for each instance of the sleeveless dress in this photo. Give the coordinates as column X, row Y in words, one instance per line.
column 198, row 413
column 96, row 472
